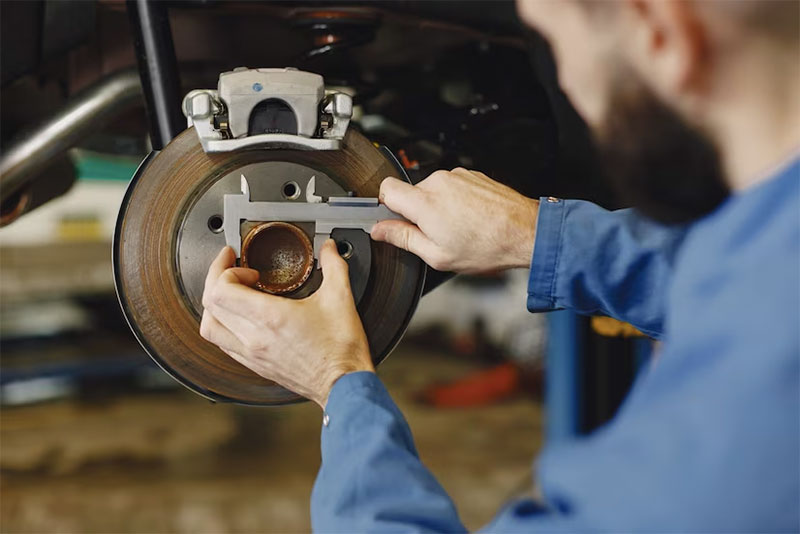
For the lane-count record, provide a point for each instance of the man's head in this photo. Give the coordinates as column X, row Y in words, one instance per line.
column 649, row 78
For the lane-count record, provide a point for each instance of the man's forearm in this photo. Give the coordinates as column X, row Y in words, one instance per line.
column 593, row 260
column 372, row 480
column 371, row 477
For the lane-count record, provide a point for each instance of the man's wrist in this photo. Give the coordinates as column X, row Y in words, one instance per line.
column 338, row 372
column 524, row 233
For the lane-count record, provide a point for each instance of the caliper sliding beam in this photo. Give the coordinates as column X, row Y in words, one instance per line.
column 337, row 212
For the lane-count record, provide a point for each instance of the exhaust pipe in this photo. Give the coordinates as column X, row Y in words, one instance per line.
column 31, row 151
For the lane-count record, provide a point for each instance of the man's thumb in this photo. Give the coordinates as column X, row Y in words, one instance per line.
column 334, row 268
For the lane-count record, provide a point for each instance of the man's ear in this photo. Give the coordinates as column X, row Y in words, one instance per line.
column 668, row 44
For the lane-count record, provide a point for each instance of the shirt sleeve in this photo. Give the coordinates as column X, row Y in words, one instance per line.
column 371, row 478
column 595, row 261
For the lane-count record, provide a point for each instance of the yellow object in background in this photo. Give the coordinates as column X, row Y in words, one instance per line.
column 80, row 228
column 609, row 327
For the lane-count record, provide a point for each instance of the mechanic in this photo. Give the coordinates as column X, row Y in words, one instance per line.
column 696, row 106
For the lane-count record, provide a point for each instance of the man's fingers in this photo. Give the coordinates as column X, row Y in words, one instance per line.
column 245, row 275
column 215, row 332
column 245, row 329
column 334, row 268
column 224, row 259
column 407, row 236
column 230, row 294
column 403, row 198
column 229, row 298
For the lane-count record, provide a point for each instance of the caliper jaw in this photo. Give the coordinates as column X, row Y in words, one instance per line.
column 362, row 208
column 337, row 212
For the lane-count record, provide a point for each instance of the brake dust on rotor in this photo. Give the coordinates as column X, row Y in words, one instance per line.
column 270, row 167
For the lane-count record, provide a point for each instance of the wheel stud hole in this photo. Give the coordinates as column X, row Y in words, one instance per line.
column 345, row 249
column 215, row 223
column 290, row 190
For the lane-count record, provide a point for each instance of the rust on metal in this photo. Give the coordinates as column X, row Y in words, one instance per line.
column 281, row 253
column 14, row 206
column 153, row 299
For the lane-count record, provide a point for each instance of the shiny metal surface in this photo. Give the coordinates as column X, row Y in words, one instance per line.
column 85, row 113
column 357, row 213
column 227, row 119
column 198, row 244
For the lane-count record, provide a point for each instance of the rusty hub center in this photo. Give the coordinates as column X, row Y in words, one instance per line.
column 281, row 253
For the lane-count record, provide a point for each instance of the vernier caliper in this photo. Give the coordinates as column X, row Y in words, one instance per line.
column 337, row 212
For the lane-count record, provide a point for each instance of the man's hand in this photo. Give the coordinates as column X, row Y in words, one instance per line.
column 461, row 221
column 304, row 345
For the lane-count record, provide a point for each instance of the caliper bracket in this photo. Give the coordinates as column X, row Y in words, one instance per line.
column 268, row 108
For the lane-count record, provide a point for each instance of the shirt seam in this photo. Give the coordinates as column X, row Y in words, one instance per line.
column 559, row 246
column 543, row 261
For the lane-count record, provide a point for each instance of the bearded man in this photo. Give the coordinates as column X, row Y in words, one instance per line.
column 696, row 108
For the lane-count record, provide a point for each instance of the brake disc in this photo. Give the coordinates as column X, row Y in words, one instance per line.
column 169, row 231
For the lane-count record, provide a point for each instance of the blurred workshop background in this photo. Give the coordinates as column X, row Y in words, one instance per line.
column 94, row 437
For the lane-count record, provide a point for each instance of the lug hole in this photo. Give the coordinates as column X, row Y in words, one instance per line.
column 290, row 190
column 215, row 223
column 345, row 249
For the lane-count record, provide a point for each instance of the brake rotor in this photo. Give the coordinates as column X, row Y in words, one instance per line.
column 168, row 232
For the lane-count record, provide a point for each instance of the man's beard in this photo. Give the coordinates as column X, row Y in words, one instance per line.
column 658, row 162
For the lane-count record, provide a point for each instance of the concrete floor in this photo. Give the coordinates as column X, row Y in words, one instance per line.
column 172, row 462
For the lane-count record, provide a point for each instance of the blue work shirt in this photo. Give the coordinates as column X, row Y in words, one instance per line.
column 709, row 437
